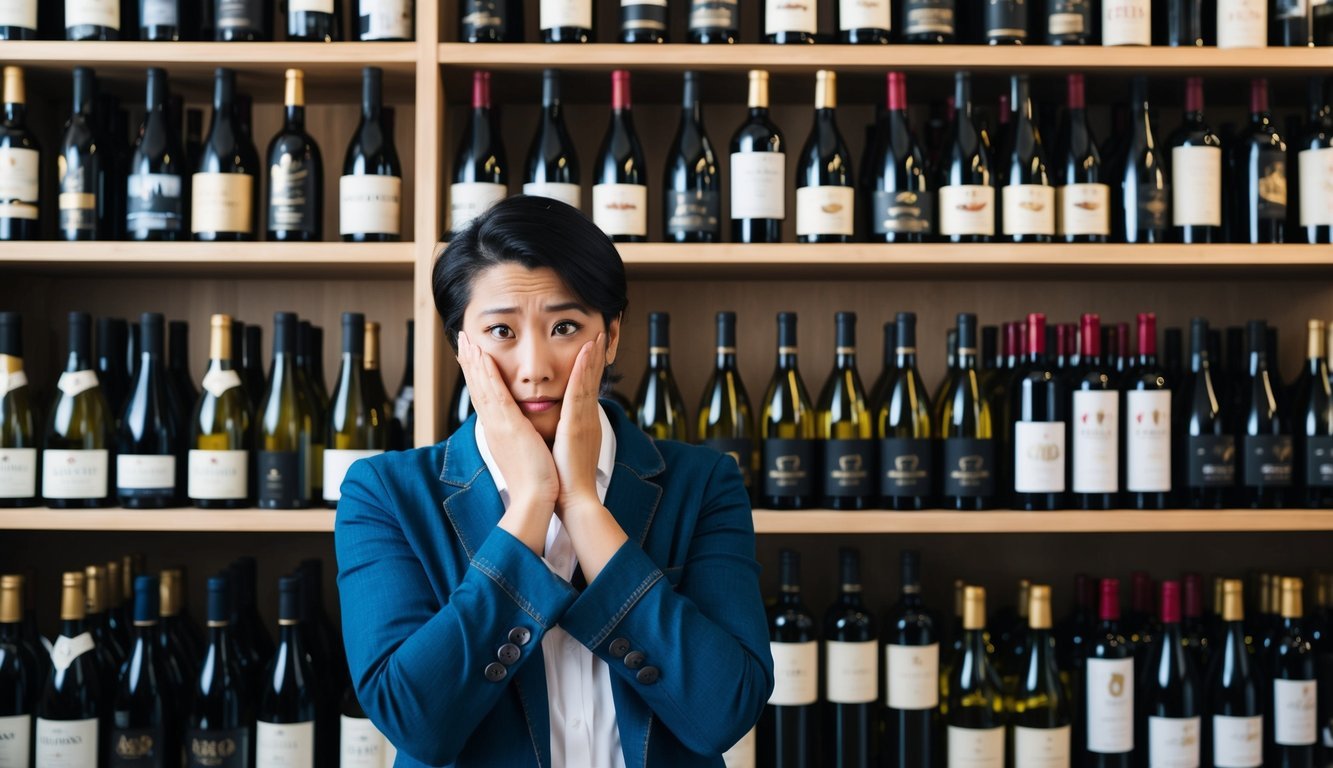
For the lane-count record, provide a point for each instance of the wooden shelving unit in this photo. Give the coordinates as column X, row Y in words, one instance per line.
column 310, row 260
column 317, row 59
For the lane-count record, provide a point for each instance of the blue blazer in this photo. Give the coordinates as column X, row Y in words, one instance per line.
column 443, row 613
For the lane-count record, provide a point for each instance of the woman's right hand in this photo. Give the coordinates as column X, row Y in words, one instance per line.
column 519, row 451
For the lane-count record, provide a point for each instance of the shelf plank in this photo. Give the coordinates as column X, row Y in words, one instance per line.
column 169, row 520
column 319, row 59
column 190, row 259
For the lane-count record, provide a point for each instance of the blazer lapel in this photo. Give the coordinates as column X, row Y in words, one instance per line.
column 474, row 508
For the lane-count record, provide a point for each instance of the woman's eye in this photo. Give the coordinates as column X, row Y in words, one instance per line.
column 501, row 332
column 566, row 328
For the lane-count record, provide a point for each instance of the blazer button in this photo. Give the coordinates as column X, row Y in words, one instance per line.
column 519, row 636
column 508, row 654
column 635, row 659
column 495, row 672
column 648, row 675
column 619, row 647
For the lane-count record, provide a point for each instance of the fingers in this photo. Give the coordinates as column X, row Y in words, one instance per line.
column 490, row 395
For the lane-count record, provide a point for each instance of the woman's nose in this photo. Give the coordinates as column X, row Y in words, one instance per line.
column 535, row 361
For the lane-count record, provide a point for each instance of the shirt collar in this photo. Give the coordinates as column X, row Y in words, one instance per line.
column 606, row 458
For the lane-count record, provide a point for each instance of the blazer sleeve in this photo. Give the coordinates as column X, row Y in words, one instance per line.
column 707, row 642
column 421, row 668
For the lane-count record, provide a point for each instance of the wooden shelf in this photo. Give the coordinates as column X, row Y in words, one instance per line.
column 169, row 520
column 318, row 59
column 310, row 260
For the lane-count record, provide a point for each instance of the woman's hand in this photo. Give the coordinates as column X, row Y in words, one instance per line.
column 578, row 437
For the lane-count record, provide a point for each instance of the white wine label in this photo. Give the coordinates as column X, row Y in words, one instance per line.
column 1238, row 742
column 74, row 382
column 217, row 382
column 1096, row 450
column 159, row 13
column 286, row 745
column 19, row 169
column 18, row 13
column 852, row 672
column 566, row 13
column 1294, row 712
column 863, row 14
column 68, row 649
column 1029, row 209
column 361, row 744
column 790, row 16
column 1148, row 441
column 742, row 755
column 912, row 676
column 12, row 381
column 1196, row 195
column 468, row 200
column 18, row 479
column 75, row 474
column 796, row 674
column 1316, row 170
column 222, row 202
column 1126, row 22
column 1058, row 23
column 1110, row 706
column 1039, row 456
column 336, row 464
column 138, row 471
column 218, row 475
column 1042, row 747
column 621, row 209
column 313, row 6
column 1085, row 209
column 12, row 210
column 1242, row 24
column 386, row 20
column 967, row 209
column 758, row 188
column 569, row 194
column 15, row 734
column 1174, row 742
column 102, row 13
column 390, row 753
column 976, row 747
column 66, row 743
column 825, row 210
column 370, row 205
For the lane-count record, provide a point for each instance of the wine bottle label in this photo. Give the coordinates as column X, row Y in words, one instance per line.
column 976, row 747
column 795, row 674
column 218, row 475
column 643, row 14
column 386, row 20
column 66, row 743
column 18, row 13
column 930, row 17
column 310, row 6
column 1318, row 462
column 1126, row 22
column 904, row 212
column 1174, row 742
column 217, row 382
column 67, row 650
column 740, row 450
column 222, row 202
column 1238, row 742
column 73, row 383
column 1316, row 173
column 1095, row 452
column 390, row 753
column 470, row 199
column 15, row 733
column 849, row 468
column 285, row 745
column 19, row 169
column 291, row 196
column 18, row 480
column 1029, row 209
column 1268, row 461
column 1068, row 18
column 153, row 202
column 1272, row 184
column 138, row 748
column 1148, row 441
column 1006, row 19
column 1294, row 713
column 283, row 478
column 790, row 16
column 481, row 15
column 12, row 381
column 713, row 14
column 403, row 405
column 240, row 14
column 1085, row 209
column 569, row 194
column 1196, row 197
column 787, row 467
column 742, row 755
column 758, row 189
column 75, row 474
column 361, row 745
column 863, row 14
column 967, row 209
column 1110, row 706
column 1242, row 24
column 1212, row 461
column 145, row 477
column 621, row 209
column 852, row 672
column 336, row 464
column 912, row 676
column 1039, row 456
column 969, row 467
column 1042, row 747
column 566, row 13
column 218, row 749
column 825, row 210
column 370, row 205
column 695, row 211
column 159, row 13
column 100, row 13
column 906, row 466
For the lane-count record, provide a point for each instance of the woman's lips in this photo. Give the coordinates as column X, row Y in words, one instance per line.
column 537, row 406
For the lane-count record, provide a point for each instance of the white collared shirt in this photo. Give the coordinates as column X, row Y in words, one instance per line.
column 584, row 732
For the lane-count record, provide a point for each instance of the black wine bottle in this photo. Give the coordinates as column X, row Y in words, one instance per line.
column 1141, row 196
column 620, row 186
column 928, row 21
column 313, row 21
column 692, row 181
column 758, row 171
column 1169, row 721
column 82, row 166
column 1094, row 429
column 1038, row 408
column 1145, row 409
column 1263, row 429
column 224, row 187
column 825, row 189
column 1006, row 22
column 851, row 671
column 149, row 440
column 481, row 172
column 1084, row 198
column 898, row 195
column 966, row 188
column 714, row 21
column 553, row 162
column 155, row 206
column 146, row 728
column 69, row 727
column 20, row 164
column 1290, row 725
column 288, row 702
column 221, row 719
column 787, row 429
column 295, row 172
column 864, row 23
column 912, row 660
column 1234, row 691
column 254, row 644
column 371, row 187
column 1196, row 168
column 242, row 20
column 1206, row 466
column 1027, row 198
column 1257, row 165
column 788, row 728
column 1315, row 162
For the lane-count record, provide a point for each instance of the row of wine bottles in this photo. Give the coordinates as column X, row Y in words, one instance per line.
column 152, row 190
column 220, row 20
column 1163, row 686
column 1055, row 417
column 970, row 183
column 284, row 443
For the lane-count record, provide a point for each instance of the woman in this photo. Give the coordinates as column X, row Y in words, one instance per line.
column 549, row 587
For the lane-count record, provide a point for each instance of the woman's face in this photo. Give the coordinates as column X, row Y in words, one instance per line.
column 533, row 326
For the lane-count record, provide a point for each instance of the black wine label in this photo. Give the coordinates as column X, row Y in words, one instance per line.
column 969, row 467
column 739, row 449
column 789, row 467
column 713, row 14
column 641, row 15
column 1006, row 18
column 1153, row 207
column 694, row 212
column 1268, row 460
column 154, row 202
column 218, row 749
column 291, row 196
column 280, row 478
column 849, row 468
column 240, row 14
column 138, row 748
column 1069, row 17
column 1319, row 462
column 930, row 17
column 1272, row 183
column 481, row 15
column 78, row 193
column 905, row 466
column 1212, row 461
column 902, row 212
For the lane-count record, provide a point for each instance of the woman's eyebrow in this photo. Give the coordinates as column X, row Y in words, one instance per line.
column 500, row 311
column 568, row 306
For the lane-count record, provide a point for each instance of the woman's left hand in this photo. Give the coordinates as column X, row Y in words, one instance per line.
column 578, row 436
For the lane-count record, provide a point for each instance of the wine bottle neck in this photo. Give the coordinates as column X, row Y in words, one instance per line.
column 726, row 358
column 787, row 358
column 295, row 116
column 72, row 628
column 659, row 358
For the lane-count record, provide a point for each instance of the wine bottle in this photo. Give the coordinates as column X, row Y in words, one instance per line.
column 864, row 21
column 851, row 670
column 109, row 653
column 964, row 423
column 1169, row 721
column 112, row 371
column 1094, row 430
column 846, row 427
column 360, row 743
column 1027, row 197
column 481, row 173
column 373, row 387
column 145, row 730
column 758, row 171
column 1290, row 721
column 223, row 187
column 221, row 716
column 1196, row 166
column 384, row 20
column 825, row 191
column 1108, row 695
column 121, row 617
column 19, row 683
column 160, row 20
column 726, row 420
column 643, row 21
column 903, row 426
column 1069, row 22
column 327, row 662
column 92, row 19
column 1208, row 442
column 253, row 641
column 1196, row 638
column 1140, row 210
column 242, row 20
column 252, row 365
column 149, row 438
column 76, row 446
column 1038, row 407
column 371, row 187
column 900, row 202
column 487, row 21
column 620, row 189
column 1083, row 196
column 692, row 184
column 1233, row 727
column 1006, row 22
column 81, row 165
column 402, row 429
column 181, row 393
column 1312, row 421
column 928, row 21
column 788, row 727
column 282, row 431
column 154, row 205
column 1127, row 22
column 1041, row 718
column 295, row 172
column 976, row 708
column 966, row 189
column 357, row 427
column 18, row 21
column 1146, row 412
column 890, row 353
column 1264, row 429
column 658, row 407
column 18, row 426
column 791, row 22
column 912, row 674
column 20, row 163
column 1314, row 152
column 1258, row 168
column 180, row 638
column 553, row 162
column 312, row 21
column 714, row 21
column 219, row 447
column 69, row 730
column 288, row 701
column 787, row 429
column 310, row 378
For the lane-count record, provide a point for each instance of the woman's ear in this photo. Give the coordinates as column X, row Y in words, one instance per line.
column 612, row 340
